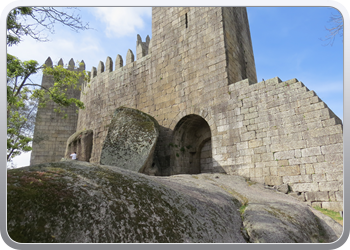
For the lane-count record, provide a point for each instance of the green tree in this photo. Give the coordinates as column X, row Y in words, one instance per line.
column 23, row 95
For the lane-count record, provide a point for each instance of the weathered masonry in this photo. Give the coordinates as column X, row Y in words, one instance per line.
column 197, row 78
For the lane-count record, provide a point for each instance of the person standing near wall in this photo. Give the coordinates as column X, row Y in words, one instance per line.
column 74, row 156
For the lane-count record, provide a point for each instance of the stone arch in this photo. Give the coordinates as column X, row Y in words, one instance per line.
column 80, row 142
column 190, row 135
column 204, row 113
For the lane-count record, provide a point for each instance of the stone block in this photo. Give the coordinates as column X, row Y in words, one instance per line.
column 274, row 171
column 255, row 143
column 282, row 163
column 297, row 153
column 304, row 187
column 336, row 157
column 318, row 141
column 250, row 115
column 333, row 148
column 332, row 196
column 339, row 195
column 306, row 152
column 273, row 180
column 320, row 158
column 267, row 157
column 336, row 176
column 335, row 206
column 317, row 196
column 248, row 136
column 260, row 150
column 325, row 167
column 289, row 170
column 319, row 177
column 297, row 179
column 335, row 138
column 329, row 186
column 242, row 145
column 256, row 158
column 305, row 160
column 295, row 161
column 284, row 155
column 266, row 172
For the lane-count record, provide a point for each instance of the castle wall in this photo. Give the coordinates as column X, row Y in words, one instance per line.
column 282, row 133
column 186, row 69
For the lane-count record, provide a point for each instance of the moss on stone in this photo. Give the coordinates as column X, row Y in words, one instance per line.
column 60, row 202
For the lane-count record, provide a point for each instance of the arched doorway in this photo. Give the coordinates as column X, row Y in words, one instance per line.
column 192, row 152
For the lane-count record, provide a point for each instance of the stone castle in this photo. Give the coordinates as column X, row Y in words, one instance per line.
column 197, row 78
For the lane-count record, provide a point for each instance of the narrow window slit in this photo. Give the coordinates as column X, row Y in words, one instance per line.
column 186, row 20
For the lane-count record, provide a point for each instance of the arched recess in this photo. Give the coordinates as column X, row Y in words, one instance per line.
column 80, row 142
column 191, row 146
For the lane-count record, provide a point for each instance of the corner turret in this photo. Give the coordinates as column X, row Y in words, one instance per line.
column 48, row 62
column 142, row 47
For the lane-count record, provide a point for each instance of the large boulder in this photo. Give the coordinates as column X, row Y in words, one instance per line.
column 131, row 141
column 73, row 201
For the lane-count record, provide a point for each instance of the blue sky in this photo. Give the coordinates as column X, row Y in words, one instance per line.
column 286, row 43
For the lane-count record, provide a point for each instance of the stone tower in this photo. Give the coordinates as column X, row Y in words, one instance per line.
column 51, row 130
column 196, row 54
column 197, row 39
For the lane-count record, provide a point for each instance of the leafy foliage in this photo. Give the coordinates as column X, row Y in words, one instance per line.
column 15, row 29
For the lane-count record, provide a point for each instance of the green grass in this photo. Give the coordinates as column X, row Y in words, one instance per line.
column 242, row 209
column 334, row 215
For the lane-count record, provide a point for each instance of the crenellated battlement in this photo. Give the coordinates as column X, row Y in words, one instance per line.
column 70, row 66
column 142, row 49
column 48, row 81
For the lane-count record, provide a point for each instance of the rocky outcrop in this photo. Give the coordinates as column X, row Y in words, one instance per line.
column 131, row 141
column 73, row 201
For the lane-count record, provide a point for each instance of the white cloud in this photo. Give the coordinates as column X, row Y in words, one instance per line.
column 64, row 45
column 122, row 21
